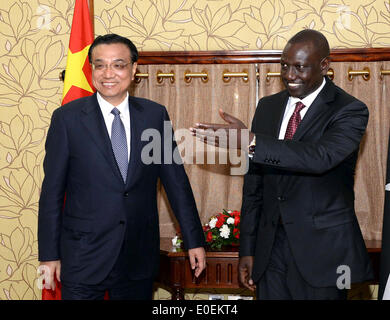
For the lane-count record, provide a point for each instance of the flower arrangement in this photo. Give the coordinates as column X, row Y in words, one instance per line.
column 222, row 229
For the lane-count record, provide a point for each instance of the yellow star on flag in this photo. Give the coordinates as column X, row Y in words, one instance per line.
column 74, row 75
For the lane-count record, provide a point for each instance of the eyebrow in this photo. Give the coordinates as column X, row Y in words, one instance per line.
column 115, row 60
column 301, row 63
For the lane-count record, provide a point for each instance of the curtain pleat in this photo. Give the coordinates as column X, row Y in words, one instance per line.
column 371, row 165
column 269, row 82
column 188, row 102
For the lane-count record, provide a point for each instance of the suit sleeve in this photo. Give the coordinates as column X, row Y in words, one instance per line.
column 179, row 192
column 339, row 140
column 53, row 190
column 252, row 204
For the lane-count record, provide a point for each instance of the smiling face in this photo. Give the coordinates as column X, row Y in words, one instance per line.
column 302, row 68
column 109, row 81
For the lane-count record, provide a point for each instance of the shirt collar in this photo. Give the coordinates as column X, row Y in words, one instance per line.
column 308, row 100
column 107, row 107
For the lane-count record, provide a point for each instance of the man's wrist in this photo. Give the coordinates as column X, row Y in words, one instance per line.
column 251, row 136
column 252, row 145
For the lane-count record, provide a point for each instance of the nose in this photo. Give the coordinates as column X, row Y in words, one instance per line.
column 108, row 72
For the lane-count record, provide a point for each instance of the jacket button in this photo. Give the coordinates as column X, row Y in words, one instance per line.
column 121, row 222
column 126, row 194
column 280, row 198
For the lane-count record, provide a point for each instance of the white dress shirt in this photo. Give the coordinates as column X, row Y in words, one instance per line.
column 123, row 108
column 307, row 101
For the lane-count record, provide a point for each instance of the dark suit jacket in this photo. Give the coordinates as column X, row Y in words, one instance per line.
column 101, row 213
column 308, row 182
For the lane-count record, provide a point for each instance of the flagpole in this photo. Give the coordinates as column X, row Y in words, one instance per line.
column 91, row 14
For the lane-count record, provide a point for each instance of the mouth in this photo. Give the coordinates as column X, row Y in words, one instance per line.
column 108, row 84
column 293, row 85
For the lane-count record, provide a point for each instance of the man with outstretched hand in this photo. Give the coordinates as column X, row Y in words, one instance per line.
column 300, row 238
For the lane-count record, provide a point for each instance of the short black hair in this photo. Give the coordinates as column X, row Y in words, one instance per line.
column 317, row 38
column 114, row 38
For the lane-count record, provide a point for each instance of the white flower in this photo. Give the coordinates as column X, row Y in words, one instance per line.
column 175, row 241
column 212, row 223
column 224, row 231
column 230, row 220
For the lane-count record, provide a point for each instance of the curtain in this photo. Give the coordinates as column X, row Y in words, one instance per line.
column 196, row 100
column 269, row 81
column 371, row 165
column 193, row 100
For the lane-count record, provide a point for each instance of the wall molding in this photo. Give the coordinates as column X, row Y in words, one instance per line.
column 253, row 56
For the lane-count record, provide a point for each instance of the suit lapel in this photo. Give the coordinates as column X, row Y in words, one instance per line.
column 93, row 120
column 270, row 121
column 316, row 110
column 137, row 125
column 279, row 113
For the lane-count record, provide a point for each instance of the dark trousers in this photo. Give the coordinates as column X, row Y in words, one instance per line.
column 131, row 290
column 283, row 281
column 117, row 284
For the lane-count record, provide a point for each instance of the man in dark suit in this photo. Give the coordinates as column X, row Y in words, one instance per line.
column 300, row 237
column 106, row 235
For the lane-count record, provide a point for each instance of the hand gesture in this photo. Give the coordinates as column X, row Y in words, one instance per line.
column 234, row 134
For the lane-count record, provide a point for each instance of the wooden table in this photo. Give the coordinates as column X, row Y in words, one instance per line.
column 221, row 270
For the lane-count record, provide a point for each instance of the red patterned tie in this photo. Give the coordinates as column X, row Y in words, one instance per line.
column 294, row 121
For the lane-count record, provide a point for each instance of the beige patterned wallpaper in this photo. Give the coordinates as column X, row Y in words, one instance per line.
column 245, row 24
column 33, row 46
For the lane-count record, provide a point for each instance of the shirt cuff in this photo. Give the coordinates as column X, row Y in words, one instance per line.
column 252, row 148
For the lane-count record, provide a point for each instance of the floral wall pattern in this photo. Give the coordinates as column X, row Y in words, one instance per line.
column 33, row 46
column 245, row 24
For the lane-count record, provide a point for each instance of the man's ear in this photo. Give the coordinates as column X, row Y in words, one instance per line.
column 324, row 65
column 133, row 70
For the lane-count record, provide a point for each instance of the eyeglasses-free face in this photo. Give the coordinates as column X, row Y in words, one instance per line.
column 112, row 71
column 302, row 68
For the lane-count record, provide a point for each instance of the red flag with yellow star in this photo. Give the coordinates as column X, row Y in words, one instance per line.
column 78, row 79
column 78, row 73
